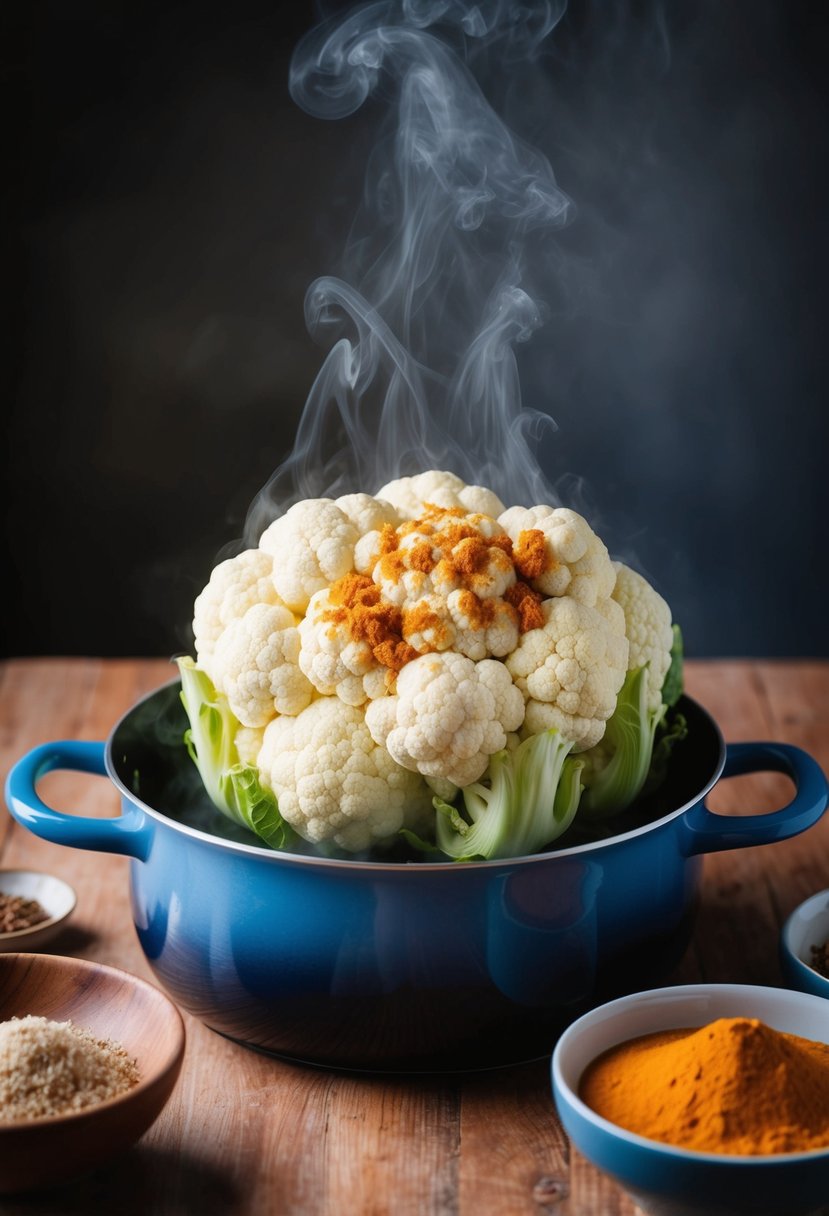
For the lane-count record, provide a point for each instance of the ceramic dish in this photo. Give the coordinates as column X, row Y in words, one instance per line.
column 669, row 1181
column 112, row 1004
column 807, row 926
column 54, row 895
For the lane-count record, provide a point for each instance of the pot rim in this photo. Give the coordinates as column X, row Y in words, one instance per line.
column 448, row 866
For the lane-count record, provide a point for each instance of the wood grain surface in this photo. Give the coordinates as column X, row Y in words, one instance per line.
column 245, row 1135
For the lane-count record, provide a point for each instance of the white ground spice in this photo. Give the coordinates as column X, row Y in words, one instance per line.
column 53, row 1068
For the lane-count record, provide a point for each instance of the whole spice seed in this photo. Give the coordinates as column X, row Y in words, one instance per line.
column 53, row 1068
column 17, row 912
column 820, row 959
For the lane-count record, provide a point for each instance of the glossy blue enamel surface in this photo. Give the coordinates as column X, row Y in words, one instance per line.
column 447, row 965
column 395, row 966
column 131, row 833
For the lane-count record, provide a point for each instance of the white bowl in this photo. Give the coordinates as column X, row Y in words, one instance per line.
column 669, row 1181
column 807, row 926
column 54, row 895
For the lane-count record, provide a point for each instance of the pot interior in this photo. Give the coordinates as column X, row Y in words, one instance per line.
column 148, row 758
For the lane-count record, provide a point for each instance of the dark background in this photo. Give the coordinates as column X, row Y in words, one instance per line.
column 169, row 205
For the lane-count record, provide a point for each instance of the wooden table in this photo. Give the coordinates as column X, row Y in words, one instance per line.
column 245, row 1134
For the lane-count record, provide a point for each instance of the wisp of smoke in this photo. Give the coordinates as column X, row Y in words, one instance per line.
column 421, row 370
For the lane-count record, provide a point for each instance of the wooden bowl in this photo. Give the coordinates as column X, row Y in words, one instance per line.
column 112, row 1004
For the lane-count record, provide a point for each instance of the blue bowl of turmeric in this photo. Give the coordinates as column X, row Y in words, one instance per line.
column 703, row 1100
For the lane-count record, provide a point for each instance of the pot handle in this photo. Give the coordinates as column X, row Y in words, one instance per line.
column 130, row 833
column 704, row 832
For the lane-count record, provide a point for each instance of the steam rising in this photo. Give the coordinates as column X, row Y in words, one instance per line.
column 421, row 370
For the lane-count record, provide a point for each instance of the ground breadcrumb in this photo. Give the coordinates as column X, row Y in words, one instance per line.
column 53, row 1068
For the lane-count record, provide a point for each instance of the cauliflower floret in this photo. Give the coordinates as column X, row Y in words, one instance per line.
column 334, row 660
column 256, row 665
column 648, row 627
column 235, row 585
column 448, row 717
column 571, row 669
column 572, row 561
column 366, row 513
column 441, row 489
column 248, row 741
column 448, row 573
column 441, row 553
column 333, row 782
column 483, row 627
column 312, row 546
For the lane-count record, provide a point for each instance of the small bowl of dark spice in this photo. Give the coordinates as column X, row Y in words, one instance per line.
column 804, row 946
column 703, row 1100
column 33, row 908
column 89, row 1056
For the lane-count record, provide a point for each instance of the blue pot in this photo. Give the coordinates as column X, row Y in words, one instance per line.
column 392, row 966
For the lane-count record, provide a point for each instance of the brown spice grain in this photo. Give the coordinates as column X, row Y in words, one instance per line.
column 820, row 959
column 356, row 603
column 527, row 603
column 529, row 554
column 17, row 912
column 54, row 1068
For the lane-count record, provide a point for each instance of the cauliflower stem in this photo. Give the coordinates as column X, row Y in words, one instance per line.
column 234, row 788
column 532, row 797
column 614, row 777
column 674, row 682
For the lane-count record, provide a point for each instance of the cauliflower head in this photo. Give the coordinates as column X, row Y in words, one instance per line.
column 375, row 649
column 571, row 669
column 448, row 716
column 648, row 627
column 334, row 783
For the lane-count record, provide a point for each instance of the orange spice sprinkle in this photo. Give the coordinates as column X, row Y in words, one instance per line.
column 502, row 542
column 480, row 613
column 421, row 619
column 527, row 603
column 421, row 557
column 354, row 589
column 389, row 540
column 530, row 554
column 358, row 606
column 432, row 508
column 471, row 555
column 392, row 565
column 446, row 543
column 394, row 654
